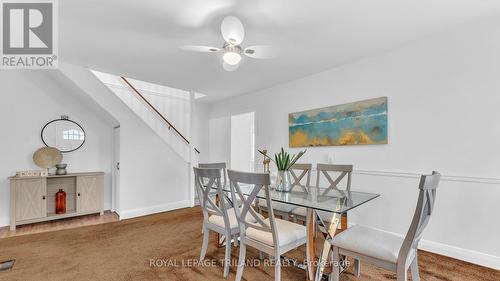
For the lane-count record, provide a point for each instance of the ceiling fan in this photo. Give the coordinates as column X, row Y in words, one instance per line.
column 233, row 33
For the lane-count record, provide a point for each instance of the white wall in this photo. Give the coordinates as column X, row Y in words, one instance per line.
column 29, row 99
column 153, row 177
column 220, row 139
column 443, row 108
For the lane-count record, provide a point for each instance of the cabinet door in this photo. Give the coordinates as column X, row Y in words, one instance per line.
column 30, row 199
column 89, row 193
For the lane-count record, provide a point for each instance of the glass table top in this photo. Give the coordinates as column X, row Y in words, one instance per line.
column 318, row 198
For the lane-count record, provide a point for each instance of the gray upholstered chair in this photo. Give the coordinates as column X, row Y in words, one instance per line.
column 388, row 250
column 272, row 236
column 305, row 172
column 341, row 172
column 298, row 173
column 220, row 165
column 216, row 217
column 223, row 170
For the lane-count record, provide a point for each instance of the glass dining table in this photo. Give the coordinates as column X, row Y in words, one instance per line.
column 332, row 201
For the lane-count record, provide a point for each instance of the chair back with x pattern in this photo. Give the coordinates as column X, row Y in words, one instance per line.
column 342, row 170
column 425, row 207
column 206, row 180
column 247, row 216
column 305, row 172
column 221, row 166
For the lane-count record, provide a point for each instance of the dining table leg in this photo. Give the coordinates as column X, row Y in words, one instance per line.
column 329, row 232
column 310, row 223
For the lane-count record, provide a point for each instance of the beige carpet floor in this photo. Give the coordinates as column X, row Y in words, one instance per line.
column 125, row 250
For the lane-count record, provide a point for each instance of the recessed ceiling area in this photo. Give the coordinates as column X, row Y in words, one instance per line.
column 142, row 39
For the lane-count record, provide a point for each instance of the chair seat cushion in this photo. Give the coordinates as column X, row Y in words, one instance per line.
column 370, row 242
column 233, row 220
column 288, row 232
column 281, row 207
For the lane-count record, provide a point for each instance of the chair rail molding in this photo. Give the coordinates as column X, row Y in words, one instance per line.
column 415, row 175
column 456, row 178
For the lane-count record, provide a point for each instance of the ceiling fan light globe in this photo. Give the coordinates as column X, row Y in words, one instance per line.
column 232, row 58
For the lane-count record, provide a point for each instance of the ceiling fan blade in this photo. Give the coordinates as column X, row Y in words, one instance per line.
column 232, row 30
column 260, row 52
column 228, row 67
column 203, row 49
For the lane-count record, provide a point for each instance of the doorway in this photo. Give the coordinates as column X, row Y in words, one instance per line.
column 243, row 142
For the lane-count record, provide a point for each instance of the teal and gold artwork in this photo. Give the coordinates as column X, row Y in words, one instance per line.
column 357, row 123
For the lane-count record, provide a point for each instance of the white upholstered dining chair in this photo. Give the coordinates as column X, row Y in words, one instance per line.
column 216, row 217
column 272, row 236
column 387, row 250
column 298, row 173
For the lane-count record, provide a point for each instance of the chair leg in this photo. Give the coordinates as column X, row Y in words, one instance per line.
column 336, row 264
column 206, row 236
column 402, row 273
column 294, row 218
column 415, row 276
column 286, row 217
column 241, row 261
column 261, row 255
column 357, row 268
column 235, row 240
column 277, row 268
column 227, row 257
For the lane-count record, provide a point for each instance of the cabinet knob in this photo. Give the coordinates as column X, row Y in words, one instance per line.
column 43, row 197
column 78, row 193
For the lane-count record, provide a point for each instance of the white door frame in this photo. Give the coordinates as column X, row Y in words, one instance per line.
column 115, row 174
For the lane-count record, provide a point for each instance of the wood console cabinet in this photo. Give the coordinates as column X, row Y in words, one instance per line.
column 32, row 199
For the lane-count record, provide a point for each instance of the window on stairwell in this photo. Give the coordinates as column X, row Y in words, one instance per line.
column 243, row 142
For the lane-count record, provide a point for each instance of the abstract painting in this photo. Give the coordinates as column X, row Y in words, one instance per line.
column 357, row 123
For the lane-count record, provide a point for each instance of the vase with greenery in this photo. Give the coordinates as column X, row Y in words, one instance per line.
column 284, row 161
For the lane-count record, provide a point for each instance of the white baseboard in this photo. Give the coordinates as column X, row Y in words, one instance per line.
column 461, row 254
column 458, row 253
column 127, row 214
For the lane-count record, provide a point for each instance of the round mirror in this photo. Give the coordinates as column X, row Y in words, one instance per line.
column 63, row 134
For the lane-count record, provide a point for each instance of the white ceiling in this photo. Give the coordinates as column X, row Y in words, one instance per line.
column 141, row 38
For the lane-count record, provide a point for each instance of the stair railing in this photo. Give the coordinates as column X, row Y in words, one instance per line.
column 143, row 99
